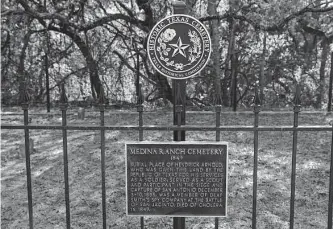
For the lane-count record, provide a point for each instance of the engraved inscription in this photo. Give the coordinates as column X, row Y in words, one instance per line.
column 176, row 179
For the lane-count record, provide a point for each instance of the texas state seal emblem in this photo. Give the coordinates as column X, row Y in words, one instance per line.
column 179, row 46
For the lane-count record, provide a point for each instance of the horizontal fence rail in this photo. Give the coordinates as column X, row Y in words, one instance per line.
column 169, row 128
column 190, row 112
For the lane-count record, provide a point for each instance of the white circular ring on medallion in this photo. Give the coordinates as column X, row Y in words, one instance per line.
column 160, row 54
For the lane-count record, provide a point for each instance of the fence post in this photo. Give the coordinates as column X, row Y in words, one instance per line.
column 218, row 109
column 25, row 107
column 330, row 199
column 179, row 92
column 140, row 110
column 256, row 110
column 297, row 109
column 63, row 108
column 102, row 109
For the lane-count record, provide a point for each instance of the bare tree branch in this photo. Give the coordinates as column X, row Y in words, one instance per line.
column 45, row 15
column 64, row 21
column 5, row 13
column 82, row 70
column 276, row 27
column 128, row 11
column 131, row 68
column 113, row 17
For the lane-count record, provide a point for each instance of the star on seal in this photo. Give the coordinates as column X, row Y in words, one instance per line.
column 179, row 48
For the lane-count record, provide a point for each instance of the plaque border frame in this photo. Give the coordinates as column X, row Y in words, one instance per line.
column 179, row 143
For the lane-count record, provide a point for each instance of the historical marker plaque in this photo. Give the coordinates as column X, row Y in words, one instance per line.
column 176, row 178
column 179, row 46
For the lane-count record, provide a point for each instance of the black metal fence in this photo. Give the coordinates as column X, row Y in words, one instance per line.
column 177, row 128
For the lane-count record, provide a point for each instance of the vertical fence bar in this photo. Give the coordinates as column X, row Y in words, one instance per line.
column 25, row 107
column 218, row 109
column 102, row 109
column 142, row 223
column 297, row 109
column 179, row 90
column 63, row 107
column 140, row 110
column 179, row 121
column 330, row 200
column 257, row 103
column 179, row 222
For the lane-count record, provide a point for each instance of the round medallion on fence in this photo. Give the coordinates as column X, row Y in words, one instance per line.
column 179, row 46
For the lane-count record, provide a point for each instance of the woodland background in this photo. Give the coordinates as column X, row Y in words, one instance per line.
column 97, row 47
column 93, row 49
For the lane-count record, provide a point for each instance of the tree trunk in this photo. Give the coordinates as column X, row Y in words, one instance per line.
column 230, row 71
column 165, row 88
column 329, row 107
column 92, row 64
column 262, row 69
column 321, row 88
column 21, row 68
column 234, row 66
column 215, row 36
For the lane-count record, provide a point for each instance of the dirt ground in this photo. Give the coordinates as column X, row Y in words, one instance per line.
column 274, row 171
